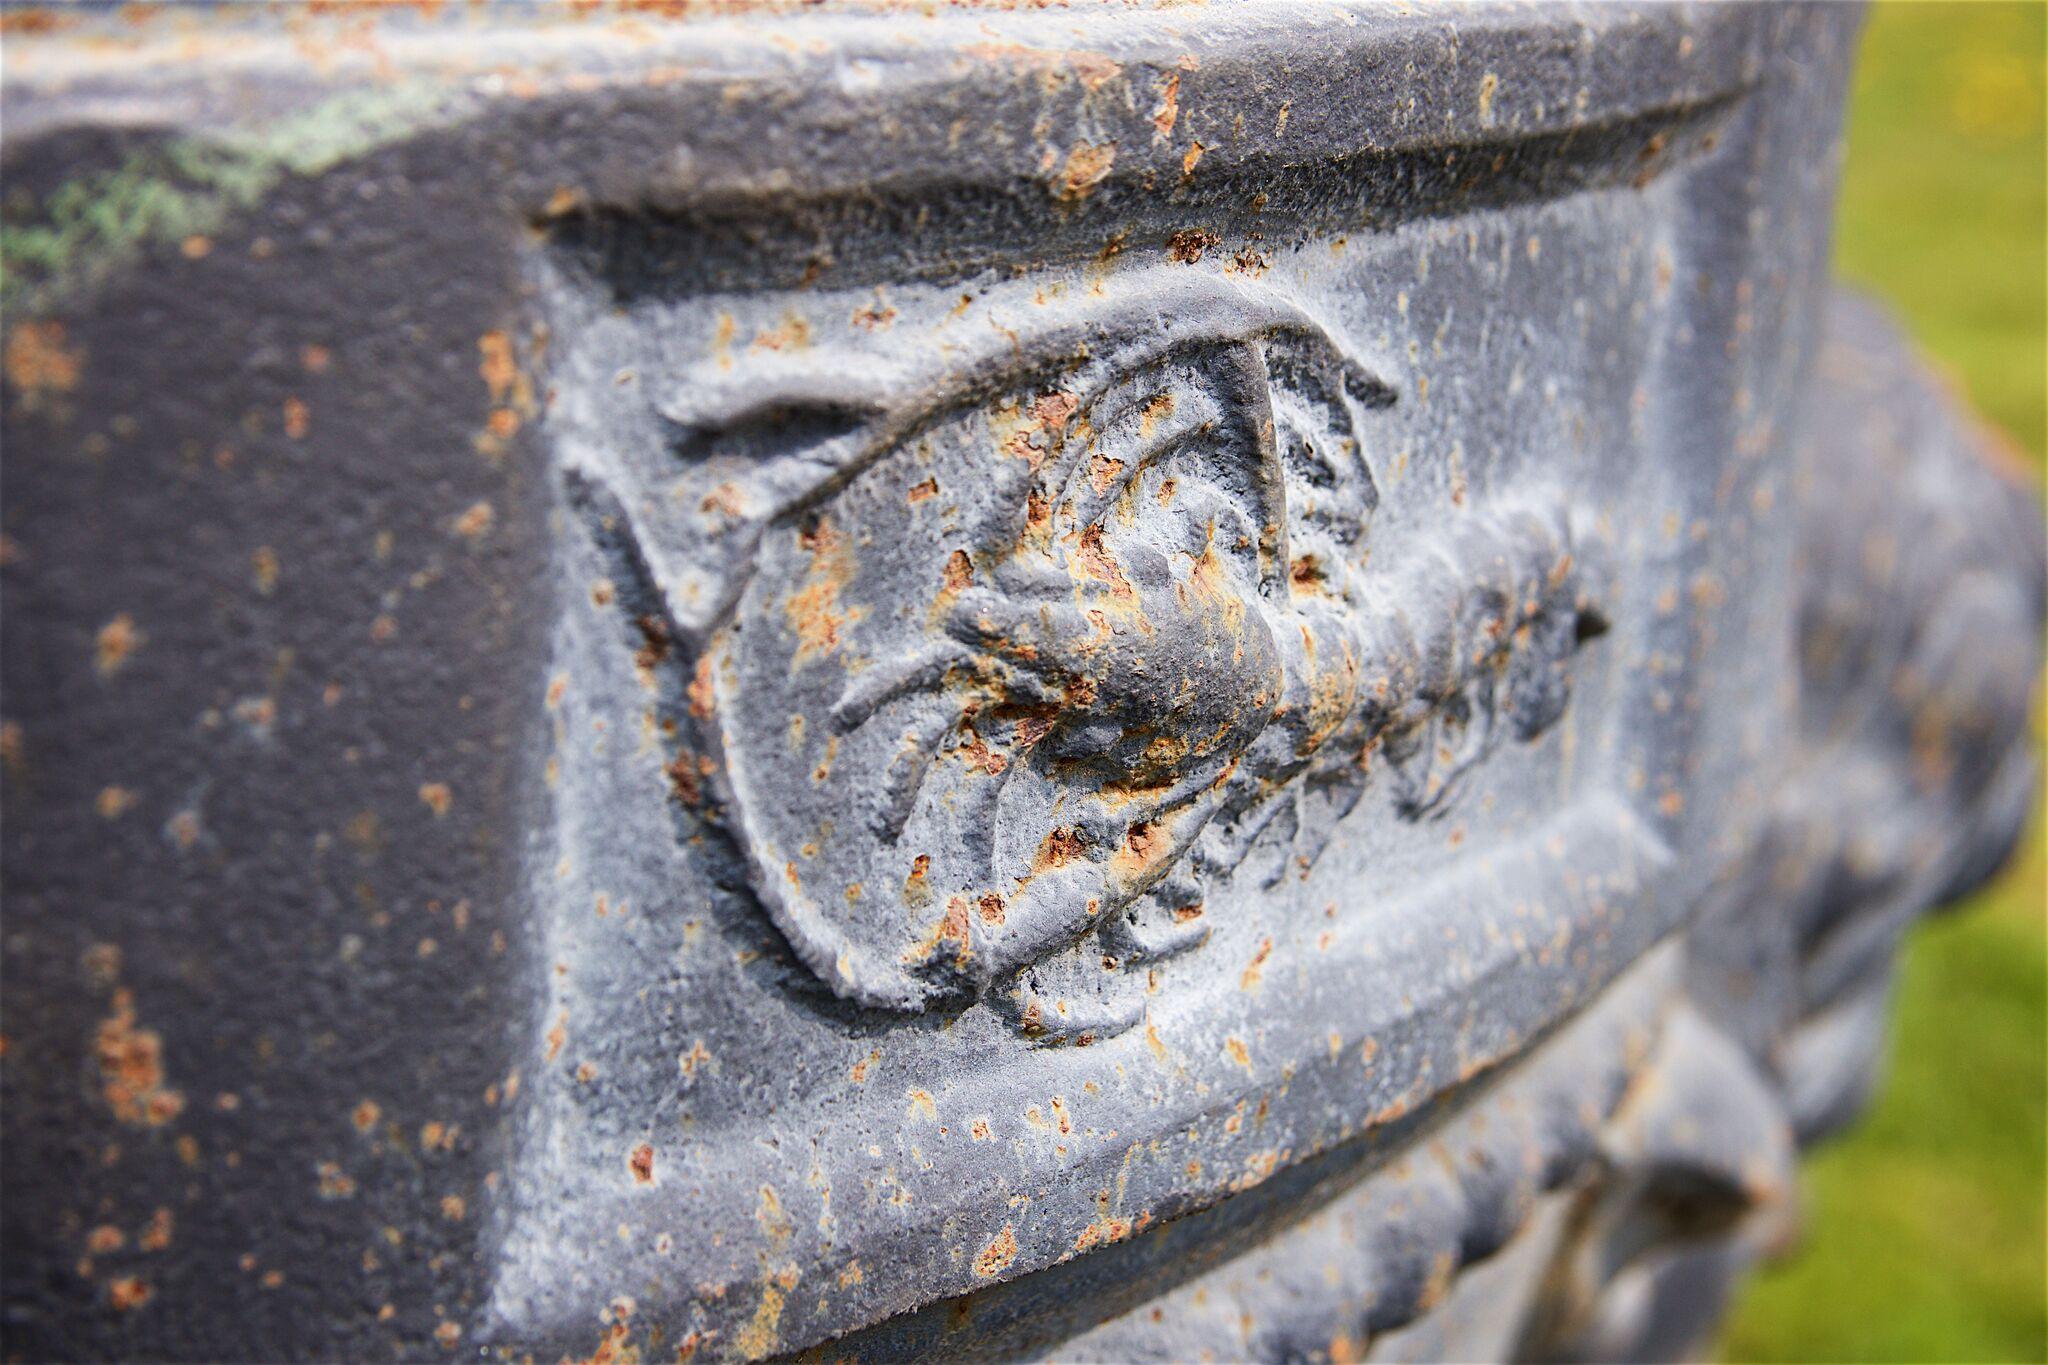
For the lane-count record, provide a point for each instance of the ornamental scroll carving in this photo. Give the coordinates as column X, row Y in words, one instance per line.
column 1027, row 655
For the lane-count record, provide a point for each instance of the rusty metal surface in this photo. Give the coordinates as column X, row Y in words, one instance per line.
column 1264, row 682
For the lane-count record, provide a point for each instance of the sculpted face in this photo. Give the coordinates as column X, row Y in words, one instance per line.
column 1066, row 634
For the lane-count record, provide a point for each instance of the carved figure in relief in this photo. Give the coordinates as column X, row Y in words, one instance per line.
column 1046, row 650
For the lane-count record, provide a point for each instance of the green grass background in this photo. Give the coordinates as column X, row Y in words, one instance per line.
column 1926, row 1223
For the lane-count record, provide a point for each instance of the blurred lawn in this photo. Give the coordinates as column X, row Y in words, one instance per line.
column 1926, row 1223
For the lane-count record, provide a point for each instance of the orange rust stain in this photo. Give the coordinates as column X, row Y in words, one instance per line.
column 1103, row 472
column 700, row 692
column 476, row 522
column 1157, row 408
column 1187, row 245
column 35, row 20
column 953, row 928
column 298, row 418
column 104, row 1239
column 116, row 644
column 959, row 571
column 335, row 1183
column 759, row 1337
column 697, row 1056
column 1100, row 565
column 497, row 368
column 793, row 333
column 1087, row 165
column 813, row 611
column 991, row 908
column 640, row 1161
column 979, row 757
column 916, row 887
column 454, row 1207
column 557, row 1036
column 1144, row 845
column 437, row 797
column 1061, row 847
column 874, row 318
column 1054, row 66
column 1238, row 1052
column 860, row 1068
column 921, row 1102
column 315, row 359
column 131, row 1068
column 1193, row 158
column 38, row 363
column 1253, row 972
column 128, row 1293
column 113, row 801
column 979, row 1130
column 365, row 1115
column 1439, row 1282
column 1167, row 112
column 998, row 1254
column 919, row 492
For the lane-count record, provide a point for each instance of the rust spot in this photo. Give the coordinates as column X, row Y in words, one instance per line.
column 131, row 1068
column 991, row 908
column 38, row 363
column 640, row 1161
column 1100, row 565
column 1167, row 112
column 1238, row 1052
column 298, row 418
column 919, row 492
column 1187, row 245
column 365, row 1115
column 953, row 928
column 263, row 563
column 335, row 1183
column 1087, row 165
column 437, row 797
column 1192, row 159
column 113, row 801
column 998, row 1254
column 916, row 889
column 1061, row 847
column 860, row 1068
column 959, row 571
column 921, row 1103
column 813, row 611
column 128, row 1293
column 116, row 644
column 497, row 368
column 1249, row 981
column 1103, row 472
column 874, row 318
column 476, row 522
column 454, row 1207
column 793, row 333
column 104, row 1239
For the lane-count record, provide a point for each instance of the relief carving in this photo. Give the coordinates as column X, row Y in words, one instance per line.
column 1027, row 659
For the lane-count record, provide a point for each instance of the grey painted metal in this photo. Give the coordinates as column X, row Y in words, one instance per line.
column 1244, row 682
